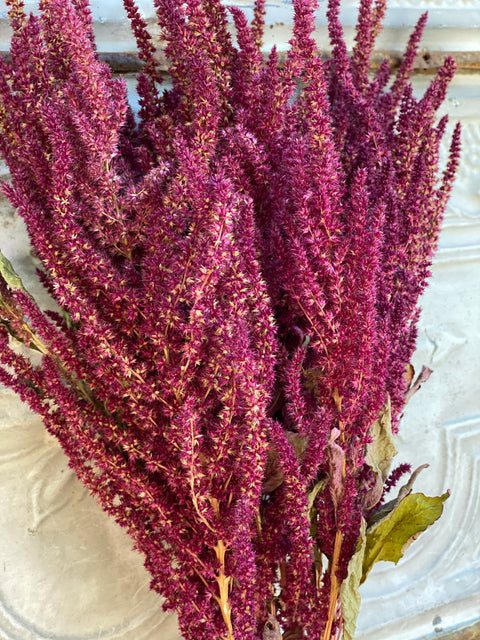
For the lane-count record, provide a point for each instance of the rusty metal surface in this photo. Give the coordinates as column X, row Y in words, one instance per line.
column 470, row 632
column 425, row 63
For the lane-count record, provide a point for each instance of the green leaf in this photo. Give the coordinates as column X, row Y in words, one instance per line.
column 68, row 319
column 13, row 280
column 381, row 451
column 318, row 488
column 349, row 594
column 9, row 275
column 388, row 538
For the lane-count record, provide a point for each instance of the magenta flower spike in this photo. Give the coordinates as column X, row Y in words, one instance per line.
column 236, row 272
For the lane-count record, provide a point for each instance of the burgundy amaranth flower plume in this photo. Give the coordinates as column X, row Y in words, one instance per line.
column 236, row 272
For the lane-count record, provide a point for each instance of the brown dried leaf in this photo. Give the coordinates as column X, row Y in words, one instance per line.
column 298, row 442
column 272, row 630
column 409, row 374
column 403, row 492
column 273, row 476
column 336, row 461
column 422, row 377
column 372, row 496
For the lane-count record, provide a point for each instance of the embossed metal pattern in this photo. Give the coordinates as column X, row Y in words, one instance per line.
column 401, row 12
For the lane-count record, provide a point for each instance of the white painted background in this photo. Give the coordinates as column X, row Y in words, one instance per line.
column 68, row 572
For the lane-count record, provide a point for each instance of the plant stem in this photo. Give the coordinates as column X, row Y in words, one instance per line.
column 334, row 586
column 223, row 585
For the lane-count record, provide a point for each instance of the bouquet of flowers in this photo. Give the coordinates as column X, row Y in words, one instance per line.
column 236, row 271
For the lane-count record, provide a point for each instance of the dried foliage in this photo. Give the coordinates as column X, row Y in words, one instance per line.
column 237, row 273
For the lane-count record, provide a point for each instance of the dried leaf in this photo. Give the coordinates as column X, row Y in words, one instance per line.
column 334, row 435
column 381, row 451
column 336, row 461
column 422, row 377
column 388, row 538
column 373, row 495
column 349, row 593
column 403, row 492
column 271, row 630
column 407, row 487
column 409, row 374
column 273, row 475
column 298, row 442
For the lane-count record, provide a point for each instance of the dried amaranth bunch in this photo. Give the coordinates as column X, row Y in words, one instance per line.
column 236, row 272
